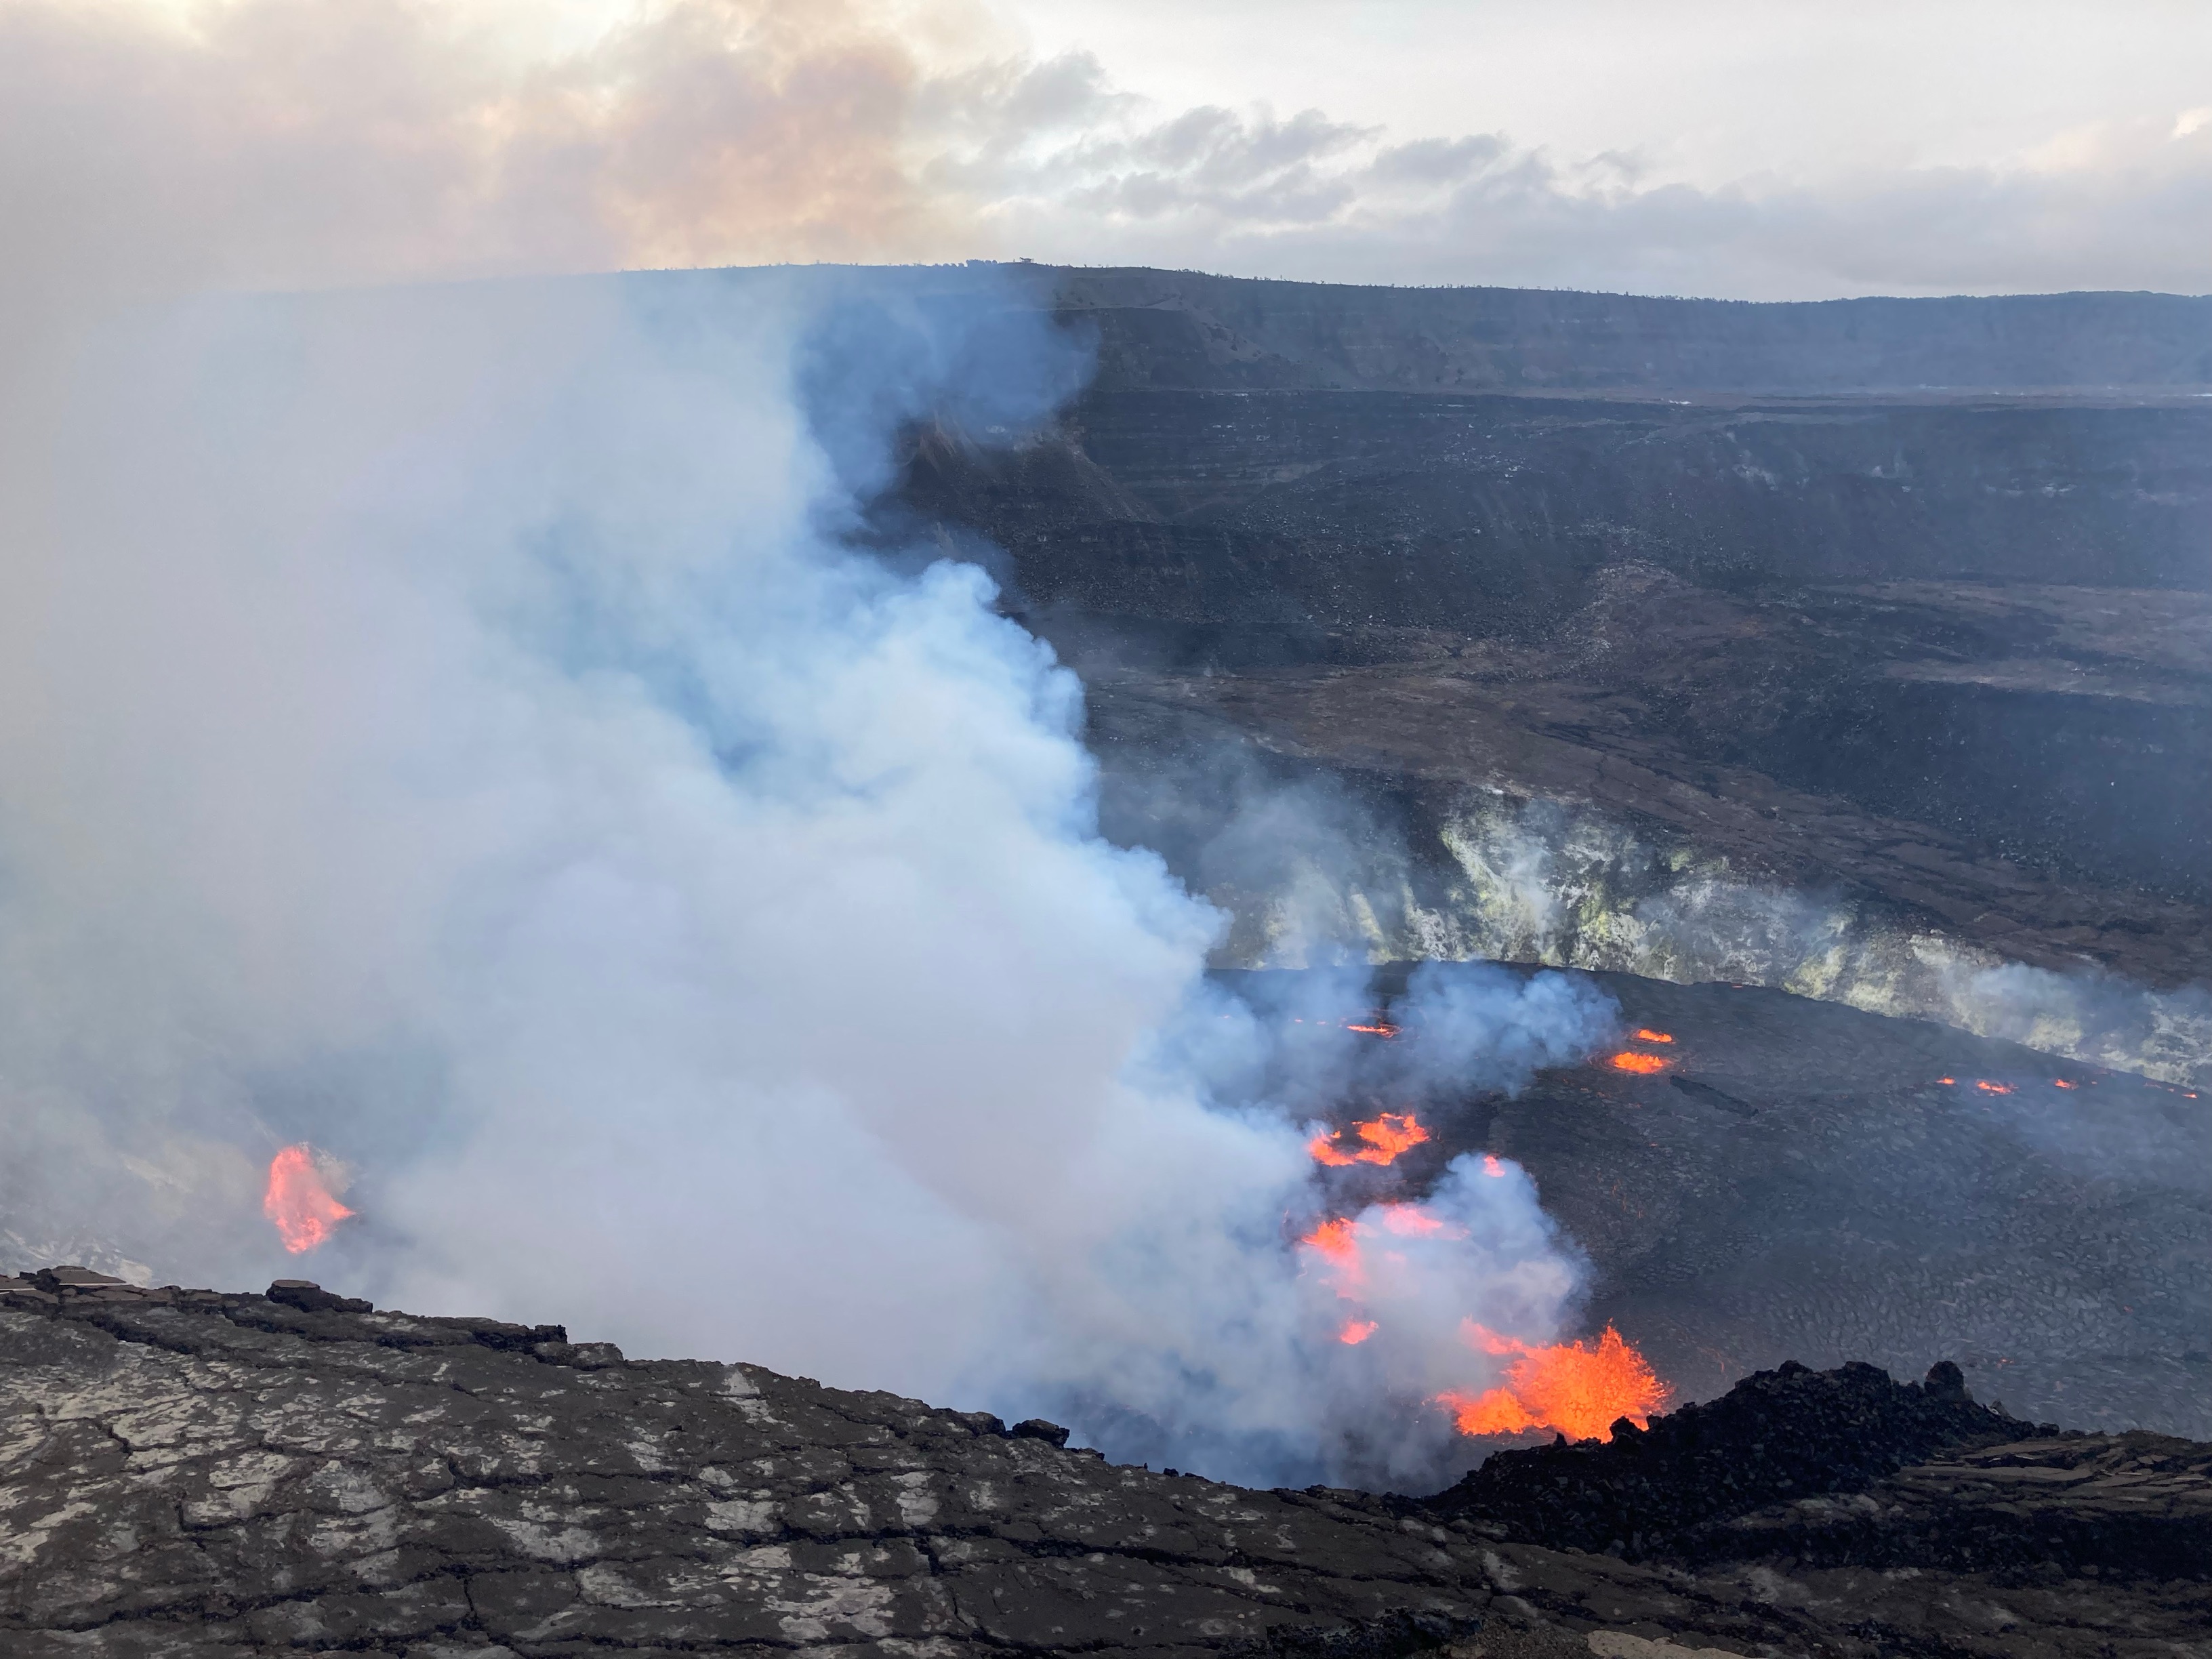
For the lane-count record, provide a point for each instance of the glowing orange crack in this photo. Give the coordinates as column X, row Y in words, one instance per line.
column 1386, row 1136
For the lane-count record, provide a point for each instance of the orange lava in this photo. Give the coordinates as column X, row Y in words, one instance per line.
column 2060, row 1082
column 1385, row 1137
column 1355, row 1332
column 1491, row 1166
column 1412, row 1220
column 299, row 1201
column 1946, row 1081
column 1389, row 1135
column 1629, row 1060
column 1578, row 1389
column 1383, row 1030
column 1990, row 1088
column 1648, row 1036
column 1334, row 1241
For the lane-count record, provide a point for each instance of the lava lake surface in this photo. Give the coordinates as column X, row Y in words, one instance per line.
column 1800, row 1180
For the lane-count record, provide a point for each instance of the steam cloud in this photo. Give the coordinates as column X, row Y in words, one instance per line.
column 1312, row 876
column 445, row 727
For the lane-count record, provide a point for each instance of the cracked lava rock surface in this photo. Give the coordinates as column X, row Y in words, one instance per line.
column 190, row 1472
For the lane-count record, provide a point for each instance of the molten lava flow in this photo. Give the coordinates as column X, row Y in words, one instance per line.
column 1580, row 1389
column 1990, row 1088
column 299, row 1201
column 1649, row 1036
column 1355, row 1332
column 2060, row 1082
column 1629, row 1060
column 1389, row 1135
column 1336, row 1241
column 1385, row 1137
column 1381, row 1027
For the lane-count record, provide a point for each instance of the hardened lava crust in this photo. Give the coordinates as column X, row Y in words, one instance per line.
column 200, row 1474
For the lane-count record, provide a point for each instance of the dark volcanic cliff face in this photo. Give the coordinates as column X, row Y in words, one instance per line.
column 186, row 1473
column 1907, row 600
column 1477, row 513
column 1185, row 329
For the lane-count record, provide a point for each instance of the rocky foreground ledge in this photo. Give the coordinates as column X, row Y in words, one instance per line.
column 198, row 1474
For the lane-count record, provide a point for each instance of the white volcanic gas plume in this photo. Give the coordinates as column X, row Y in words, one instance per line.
column 444, row 726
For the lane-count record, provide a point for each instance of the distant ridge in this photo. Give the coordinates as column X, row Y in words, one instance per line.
column 1188, row 331
column 1165, row 328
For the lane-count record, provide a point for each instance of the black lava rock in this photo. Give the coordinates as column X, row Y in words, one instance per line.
column 1777, row 1435
column 1394, row 1636
column 310, row 1297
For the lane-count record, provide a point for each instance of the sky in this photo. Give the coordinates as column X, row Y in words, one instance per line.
column 1709, row 93
column 1726, row 147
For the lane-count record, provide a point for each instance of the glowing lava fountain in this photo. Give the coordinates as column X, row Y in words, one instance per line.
column 299, row 1200
column 1579, row 1388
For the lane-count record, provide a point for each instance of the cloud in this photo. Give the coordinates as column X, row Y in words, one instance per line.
column 2116, row 208
column 288, row 143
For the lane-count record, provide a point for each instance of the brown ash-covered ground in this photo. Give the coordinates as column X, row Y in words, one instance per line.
column 1798, row 1182
column 195, row 1473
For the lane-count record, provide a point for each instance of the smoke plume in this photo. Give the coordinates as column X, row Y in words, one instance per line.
column 448, row 729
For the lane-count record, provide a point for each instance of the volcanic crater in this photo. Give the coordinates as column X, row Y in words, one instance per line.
column 1900, row 604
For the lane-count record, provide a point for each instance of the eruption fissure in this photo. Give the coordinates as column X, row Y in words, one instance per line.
column 1387, row 1137
column 1637, row 1060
